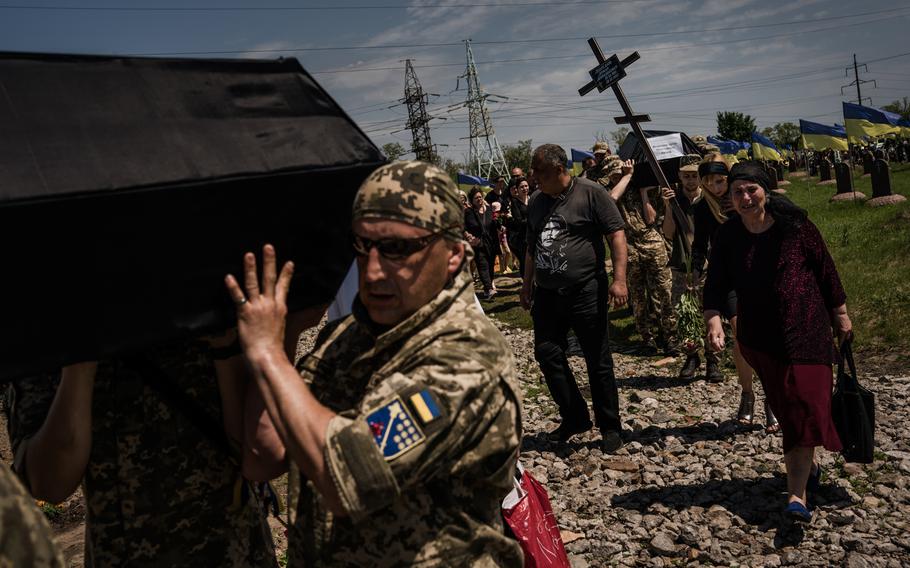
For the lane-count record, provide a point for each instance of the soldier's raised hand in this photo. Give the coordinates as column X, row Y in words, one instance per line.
column 261, row 310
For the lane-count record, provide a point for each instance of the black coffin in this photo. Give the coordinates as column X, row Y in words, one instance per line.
column 130, row 186
column 642, row 176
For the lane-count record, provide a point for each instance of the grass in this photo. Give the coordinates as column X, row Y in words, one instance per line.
column 870, row 247
column 51, row 512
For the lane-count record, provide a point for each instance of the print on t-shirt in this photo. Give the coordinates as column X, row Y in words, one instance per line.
column 551, row 247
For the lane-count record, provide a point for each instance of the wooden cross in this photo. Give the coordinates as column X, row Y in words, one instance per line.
column 607, row 74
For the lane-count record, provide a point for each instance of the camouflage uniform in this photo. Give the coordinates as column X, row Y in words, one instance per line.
column 648, row 275
column 158, row 491
column 25, row 537
column 424, row 445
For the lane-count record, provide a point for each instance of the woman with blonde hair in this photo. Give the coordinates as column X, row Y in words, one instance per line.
column 713, row 210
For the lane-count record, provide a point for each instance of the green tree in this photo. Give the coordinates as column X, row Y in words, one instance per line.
column 393, row 150
column 783, row 134
column 618, row 136
column 901, row 107
column 735, row 126
column 451, row 167
column 518, row 155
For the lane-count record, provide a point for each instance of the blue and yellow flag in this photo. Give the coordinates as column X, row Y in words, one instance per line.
column 817, row 136
column 905, row 127
column 578, row 158
column 867, row 122
column 764, row 149
column 727, row 147
column 466, row 182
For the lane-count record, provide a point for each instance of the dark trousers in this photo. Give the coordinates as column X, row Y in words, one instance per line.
column 485, row 262
column 519, row 248
column 585, row 311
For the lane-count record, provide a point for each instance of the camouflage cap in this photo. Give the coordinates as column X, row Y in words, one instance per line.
column 414, row 192
column 710, row 148
column 699, row 140
column 689, row 163
column 600, row 148
column 612, row 165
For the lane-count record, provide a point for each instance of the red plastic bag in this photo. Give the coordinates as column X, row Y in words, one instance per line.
column 527, row 511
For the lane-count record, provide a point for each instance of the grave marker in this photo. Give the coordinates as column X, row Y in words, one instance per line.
column 607, row 74
column 881, row 185
column 845, row 189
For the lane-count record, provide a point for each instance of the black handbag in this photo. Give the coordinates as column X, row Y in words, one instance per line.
column 853, row 411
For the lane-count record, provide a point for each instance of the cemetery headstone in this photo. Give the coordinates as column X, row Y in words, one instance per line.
column 867, row 163
column 845, row 189
column 813, row 167
column 792, row 166
column 824, row 172
column 772, row 176
column 881, row 178
column 881, row 185
column 779, row 168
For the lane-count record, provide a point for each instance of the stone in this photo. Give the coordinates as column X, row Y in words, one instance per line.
column 841, row 517
column 663, row 544
column 824, row 172
column 578, row 561
column 845, row 188
column 570, row 537
column 619, row 464
column 855, row 560
column 881, row 178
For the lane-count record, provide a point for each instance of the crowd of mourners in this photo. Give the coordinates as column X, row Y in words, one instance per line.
column 752, row 260
column 401, row 429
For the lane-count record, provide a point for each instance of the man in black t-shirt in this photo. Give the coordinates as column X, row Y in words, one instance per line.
column 567, row 222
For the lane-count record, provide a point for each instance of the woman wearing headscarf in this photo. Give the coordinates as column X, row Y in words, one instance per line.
column 709, row 214
column 789, row 299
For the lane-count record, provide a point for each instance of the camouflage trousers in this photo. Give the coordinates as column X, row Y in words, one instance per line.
column 650, row 288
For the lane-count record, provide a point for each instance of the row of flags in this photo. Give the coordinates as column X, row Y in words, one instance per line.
column 861, row 124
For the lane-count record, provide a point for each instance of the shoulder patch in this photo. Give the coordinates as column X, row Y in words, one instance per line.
column 394, row 429
column 425, row 406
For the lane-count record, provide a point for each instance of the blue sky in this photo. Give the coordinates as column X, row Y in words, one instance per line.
column 777, row 61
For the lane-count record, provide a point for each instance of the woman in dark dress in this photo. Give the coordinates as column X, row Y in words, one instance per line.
column 789, row 297
column 517, row 221
column 713, row 210
column 481, row 233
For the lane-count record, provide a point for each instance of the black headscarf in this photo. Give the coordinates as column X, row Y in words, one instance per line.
column 782, row 210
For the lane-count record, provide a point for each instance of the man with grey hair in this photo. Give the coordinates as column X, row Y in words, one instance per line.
column 565, row 272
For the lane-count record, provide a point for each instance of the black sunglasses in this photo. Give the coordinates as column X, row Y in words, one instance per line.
column 395, row 249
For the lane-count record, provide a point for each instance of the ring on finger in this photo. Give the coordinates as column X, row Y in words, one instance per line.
column 242, row 301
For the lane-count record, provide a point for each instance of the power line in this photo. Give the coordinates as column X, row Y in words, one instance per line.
column 551, row 40
column 574, row 56
column 96, row 8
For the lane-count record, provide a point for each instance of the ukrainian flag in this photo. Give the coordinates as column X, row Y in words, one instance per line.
column 764, row 149
column 905, row 127
column 727, row 147
column 578, row 158
column 867, row 122
column 466, row 182
column 817, row 136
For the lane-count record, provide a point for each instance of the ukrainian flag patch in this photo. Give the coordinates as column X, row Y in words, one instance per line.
column 394, row 429
column 425, row 406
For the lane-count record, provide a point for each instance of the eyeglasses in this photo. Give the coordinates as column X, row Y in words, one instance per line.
column 395, row 249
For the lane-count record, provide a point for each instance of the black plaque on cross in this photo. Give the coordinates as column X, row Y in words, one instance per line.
column 607, row 75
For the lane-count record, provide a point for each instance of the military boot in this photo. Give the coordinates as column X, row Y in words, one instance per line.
column 690, row 367
column 712, row 372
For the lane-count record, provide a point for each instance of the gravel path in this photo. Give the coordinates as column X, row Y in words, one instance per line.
column 693, row 488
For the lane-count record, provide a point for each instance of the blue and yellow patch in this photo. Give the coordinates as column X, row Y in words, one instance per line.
column 425, row 406
column 394, row 429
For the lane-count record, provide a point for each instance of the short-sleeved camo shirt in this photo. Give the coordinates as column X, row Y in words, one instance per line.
column 424, row 446
column 158, row 491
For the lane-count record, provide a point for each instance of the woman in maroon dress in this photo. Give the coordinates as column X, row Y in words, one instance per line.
column 789, row 299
